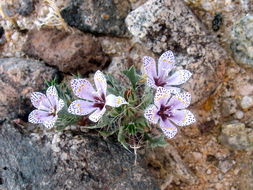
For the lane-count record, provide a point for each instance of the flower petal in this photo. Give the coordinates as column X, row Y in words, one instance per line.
column 38, row 116
column 52, row 95
column 165, row 63
column 151, row 114
column 60, row 104
column 115, row 101
column 100, row 82
column 151, row 83
column 96, row 115
column 168, row 128
column 81, row 107
column 182, row 117
column 45, row 105
column 179, row 77
column 149, row 66
column 83, row 89
column 181, row 100
column 50, row 122
column 161, row 97
column 172, row 89
column 36, row 98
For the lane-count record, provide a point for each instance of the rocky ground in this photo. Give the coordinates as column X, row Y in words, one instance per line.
column 43, row 39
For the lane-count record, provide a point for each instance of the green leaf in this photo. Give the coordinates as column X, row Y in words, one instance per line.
column 156, row 141
column 115, row 86
column 121, row 137
column 132, row 75
column 65, row 119
column 103, row 122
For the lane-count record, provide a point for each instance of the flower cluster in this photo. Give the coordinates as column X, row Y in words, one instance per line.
column 116, row 108
column 169, row 104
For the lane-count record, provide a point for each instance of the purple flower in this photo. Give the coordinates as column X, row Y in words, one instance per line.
column 47, row 107
column 157, row 75
column 170, row 110
column 93, row 102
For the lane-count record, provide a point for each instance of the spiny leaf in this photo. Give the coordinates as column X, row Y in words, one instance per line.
column 156, row 141
column 132, row 75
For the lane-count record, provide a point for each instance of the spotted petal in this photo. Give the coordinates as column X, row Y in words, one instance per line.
column 168, row 128
column 52, row 95
column 151, row 114
column 180, row 101
column 38, row 116
column 46, row 105
column 172, row 89
column 81, row 107
column 149, row 66
column 161, row 97
column 165, row 63
column 100, row 82
column 151, row 83
column 182, row 117
column 36, row 98
column 50, row 122
column 115, row 101
column 179, row 77
column 83, row 89
column 60, row 105
column 96, row 115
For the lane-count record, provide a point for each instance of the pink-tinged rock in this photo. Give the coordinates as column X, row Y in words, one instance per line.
column 70, row 53
column 18, row 78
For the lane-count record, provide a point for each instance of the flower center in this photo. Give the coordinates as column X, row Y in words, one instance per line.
column 53, row 111
column 99, row 101
column 159, row 82
column 165, row 112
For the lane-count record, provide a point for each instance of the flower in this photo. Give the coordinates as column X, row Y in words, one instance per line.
column 47, row 106
column 157, row 76
column 170, row 110
column 93, row 102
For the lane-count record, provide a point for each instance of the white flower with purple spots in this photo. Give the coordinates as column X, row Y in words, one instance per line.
column 47, row 106
column 93, row 102
column 157, row 75
column 169, row 111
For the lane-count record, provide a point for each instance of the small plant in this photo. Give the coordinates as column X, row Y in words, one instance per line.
column 130, row 112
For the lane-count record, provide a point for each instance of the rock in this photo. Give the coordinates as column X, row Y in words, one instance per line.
column 239, row 114
column 70, row 53
column 241, row 45
column 236, row 136
column 170, row 25
column 26, row 7
column 18, row 78
column 228, row 107
column 162, row 159
column 83, row 162
column 225, row 165
column 247, row 102
column 102, row 17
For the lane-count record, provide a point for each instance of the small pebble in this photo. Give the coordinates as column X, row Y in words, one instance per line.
column 247, row 102
column 209, row 171
column 239, row 114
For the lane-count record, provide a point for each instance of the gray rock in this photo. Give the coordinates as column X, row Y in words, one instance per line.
column 242, row 40
column 228, row 107
column 18, row 78
column 83, row 162
column 236, row 136
column 103, row 16
column 247, row 102
column 170, row 25
column 225, row 165
column 26, row 7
